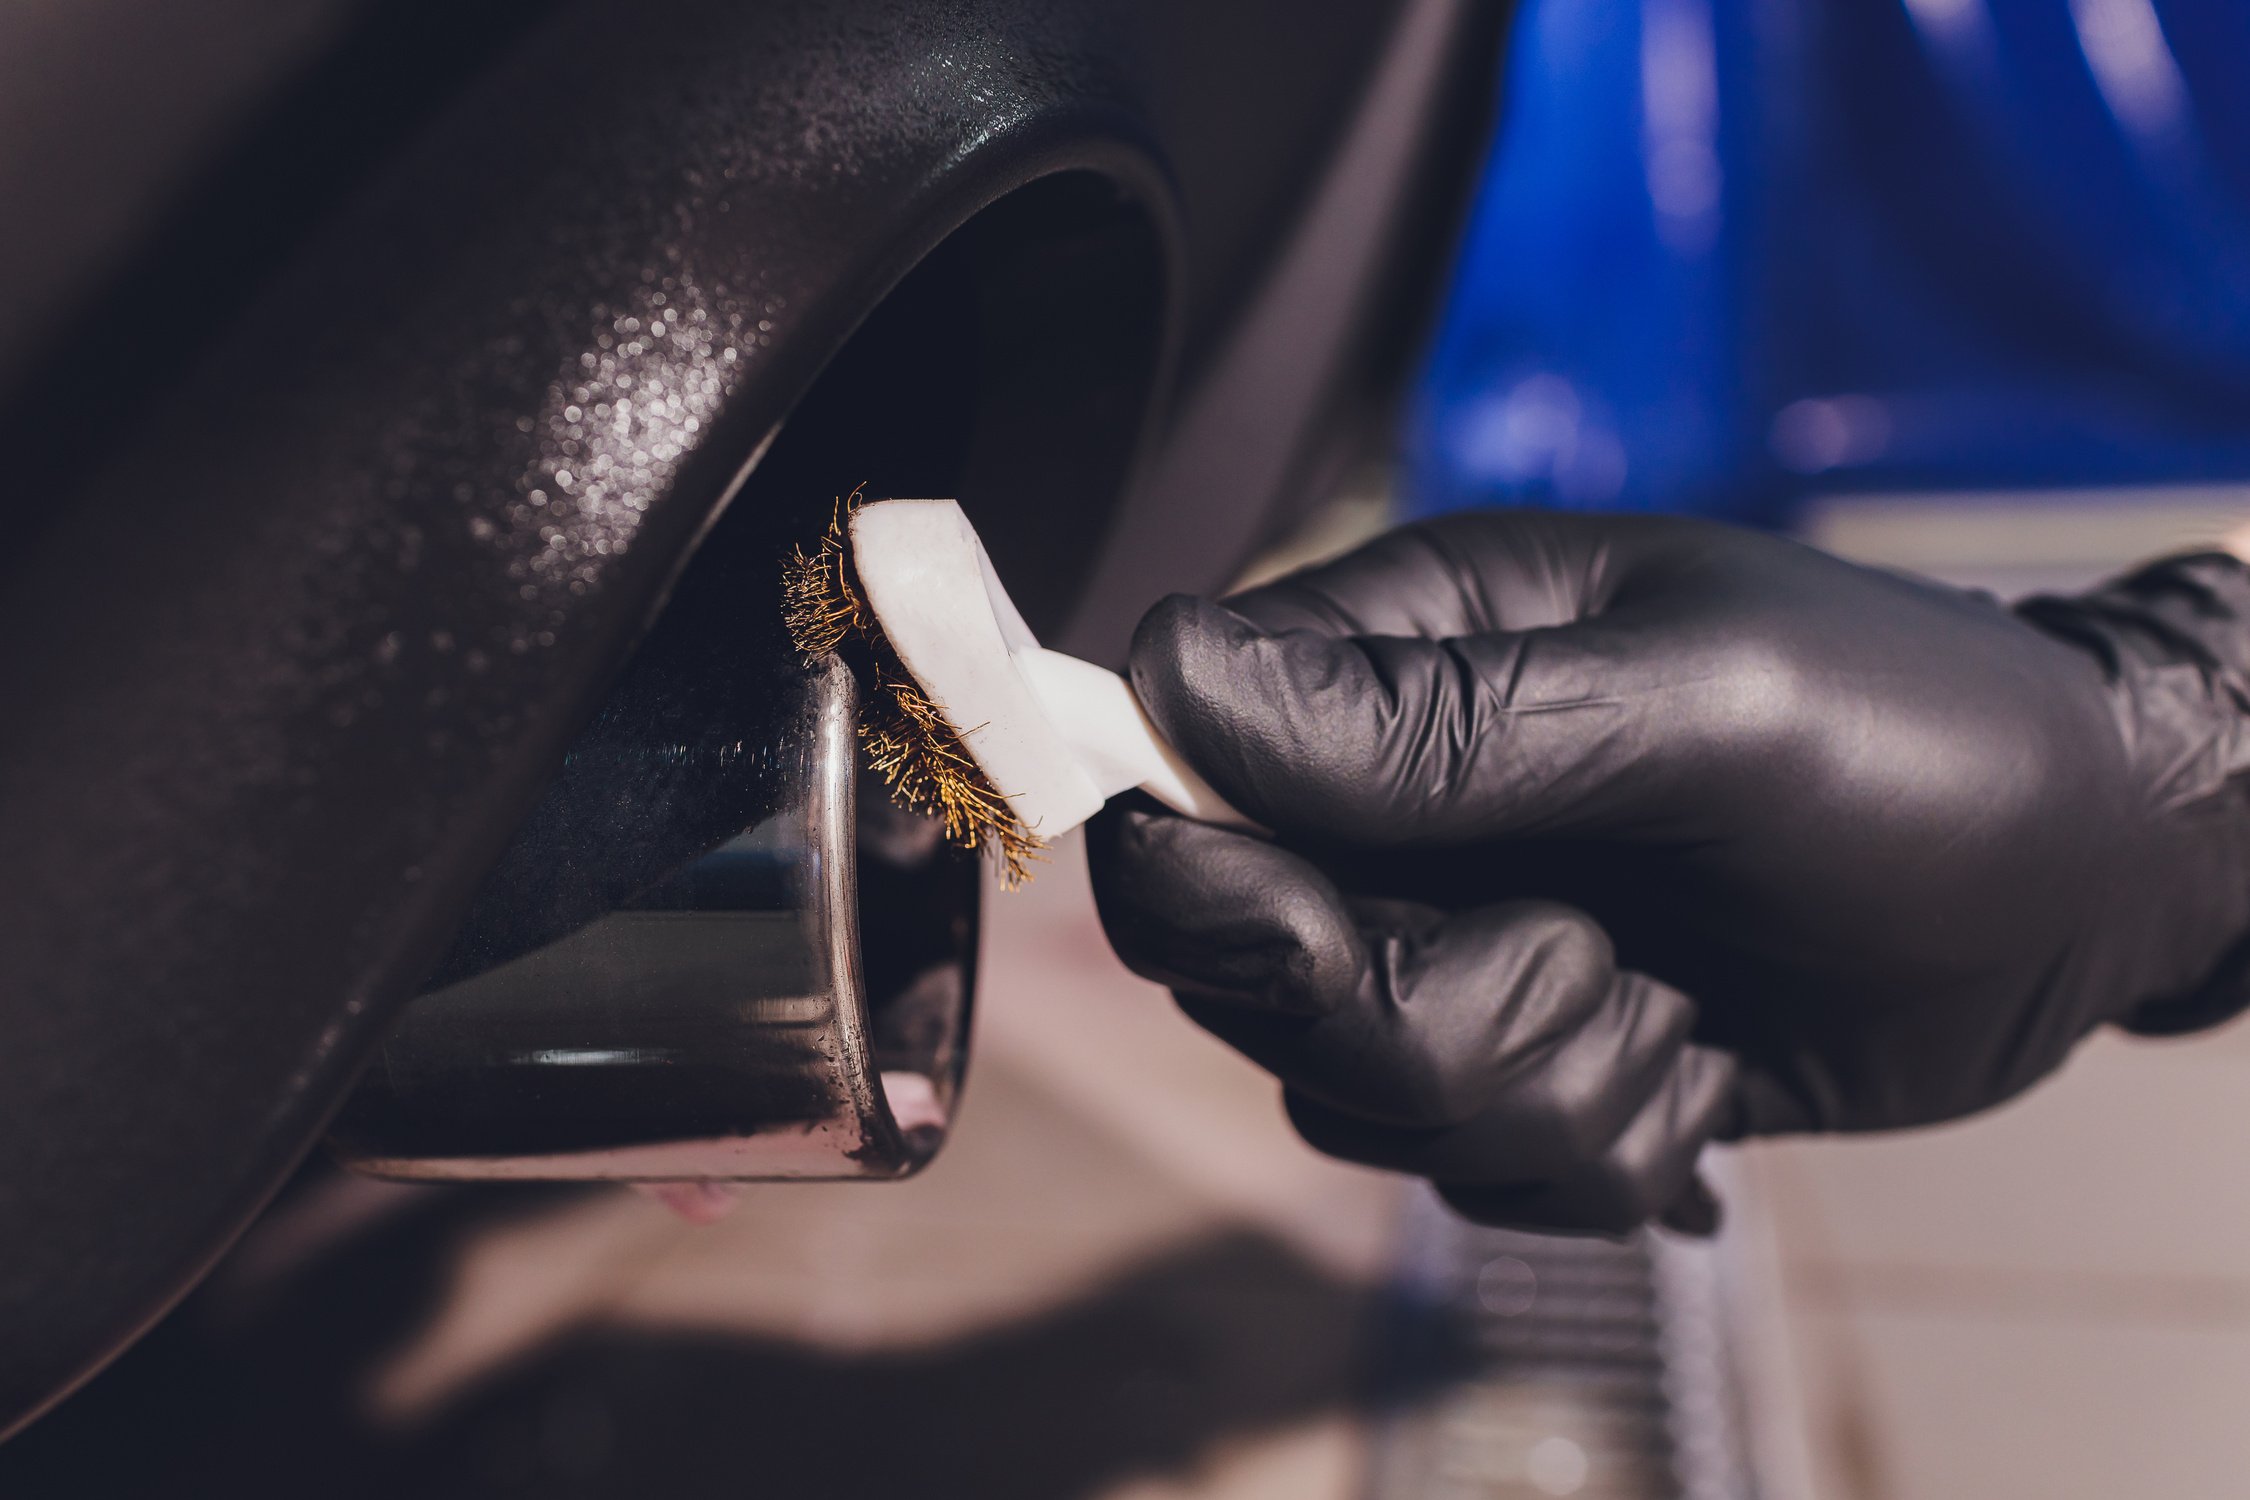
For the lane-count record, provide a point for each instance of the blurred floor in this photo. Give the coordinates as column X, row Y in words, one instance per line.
column 2050, row 1302
column 1123, row 1278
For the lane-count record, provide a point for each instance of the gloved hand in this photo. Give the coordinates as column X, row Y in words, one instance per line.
column 1600, row 837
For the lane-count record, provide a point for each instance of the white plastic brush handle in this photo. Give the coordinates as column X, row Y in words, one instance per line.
column 1116, row 743
column 1056, row 735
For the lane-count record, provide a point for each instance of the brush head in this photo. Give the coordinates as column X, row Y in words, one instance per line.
column 914, row 739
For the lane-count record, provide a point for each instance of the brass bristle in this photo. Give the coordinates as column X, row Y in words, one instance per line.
column 907, row 739
column 818, row 603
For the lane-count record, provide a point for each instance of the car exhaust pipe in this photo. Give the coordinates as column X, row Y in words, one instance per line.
column 729, row 1023
column 713, row 952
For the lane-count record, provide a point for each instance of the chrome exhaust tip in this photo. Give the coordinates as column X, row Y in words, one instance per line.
column 730, row 1023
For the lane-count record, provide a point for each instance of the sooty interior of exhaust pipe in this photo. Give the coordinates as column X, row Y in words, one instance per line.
column 1011, row 369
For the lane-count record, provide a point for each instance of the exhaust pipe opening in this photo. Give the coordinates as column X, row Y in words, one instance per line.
column 712, row 952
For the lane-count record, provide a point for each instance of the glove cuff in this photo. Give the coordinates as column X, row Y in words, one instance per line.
column 2173, row 638
column 2189, row 610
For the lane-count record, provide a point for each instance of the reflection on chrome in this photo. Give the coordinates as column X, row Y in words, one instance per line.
column 587, row 1057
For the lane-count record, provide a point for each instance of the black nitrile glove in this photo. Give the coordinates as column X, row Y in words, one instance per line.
column 1600, row 837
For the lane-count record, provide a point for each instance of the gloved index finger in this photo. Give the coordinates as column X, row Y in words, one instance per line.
column 1585, row 729
column 1461, row 575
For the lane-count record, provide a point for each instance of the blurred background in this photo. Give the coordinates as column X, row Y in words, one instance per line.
column 1960, row 286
